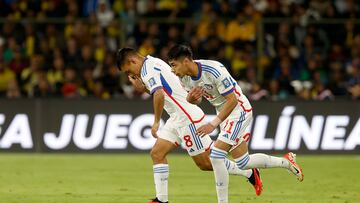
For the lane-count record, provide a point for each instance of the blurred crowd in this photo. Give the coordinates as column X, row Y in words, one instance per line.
column 275, row 49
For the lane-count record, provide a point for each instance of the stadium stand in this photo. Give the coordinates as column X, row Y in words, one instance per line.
column 309, row 50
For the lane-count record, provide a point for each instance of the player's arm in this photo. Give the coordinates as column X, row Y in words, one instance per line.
column 230, row 104
column 138, row 84
column 158, row 105
column 195, row 95
column 153, row 83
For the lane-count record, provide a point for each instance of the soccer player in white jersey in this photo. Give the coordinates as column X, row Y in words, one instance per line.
column 154, row 76
column 210, row 79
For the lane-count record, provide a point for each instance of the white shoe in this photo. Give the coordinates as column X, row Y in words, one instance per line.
column 294, row 167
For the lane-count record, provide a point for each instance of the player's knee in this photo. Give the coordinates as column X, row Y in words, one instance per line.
column 157, row 155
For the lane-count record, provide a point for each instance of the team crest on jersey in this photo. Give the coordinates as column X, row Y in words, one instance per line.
column 152, row 82
column 208, row 86
column 226, row 83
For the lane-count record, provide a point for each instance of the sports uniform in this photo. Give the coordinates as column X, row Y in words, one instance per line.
column 185, row 117
column 217, row 83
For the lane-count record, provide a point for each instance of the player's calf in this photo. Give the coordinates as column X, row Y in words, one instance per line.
column 157, row 156
column 203, row 161
column 205, row 166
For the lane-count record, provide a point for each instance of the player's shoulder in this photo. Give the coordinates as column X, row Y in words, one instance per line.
column 152, row 65
column 158, row 64
column 210, row 63
column 211, row 68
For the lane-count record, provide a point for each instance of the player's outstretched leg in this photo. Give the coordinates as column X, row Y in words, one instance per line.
column 260, row 160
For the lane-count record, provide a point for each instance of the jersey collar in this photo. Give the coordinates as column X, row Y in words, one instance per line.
column 143, row 64
column 199, row 74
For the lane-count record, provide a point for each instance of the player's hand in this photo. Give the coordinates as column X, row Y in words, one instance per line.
column 154, row 129
column 205, row 130
column 195, row 94
column 136, row 82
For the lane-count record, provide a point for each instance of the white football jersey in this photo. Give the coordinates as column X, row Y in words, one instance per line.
column 217, row 83
column 155, row 74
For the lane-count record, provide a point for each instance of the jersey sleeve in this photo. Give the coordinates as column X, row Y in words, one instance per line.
column 151, row 79
column 224, row 83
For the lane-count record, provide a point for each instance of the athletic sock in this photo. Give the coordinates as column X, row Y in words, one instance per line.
column 261, row 161
column 217, row 157
column 161, row 175
column 234, row 170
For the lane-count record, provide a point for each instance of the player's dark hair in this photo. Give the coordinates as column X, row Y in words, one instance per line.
column 122, row 54
column 180, row 51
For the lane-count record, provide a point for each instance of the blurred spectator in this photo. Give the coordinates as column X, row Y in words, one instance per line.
column 55, row 76
column 99, row 91
column 355, row 91
column 89, row 6
column 225, row 10
column 72, row 54
column 128, row 15
column 274, row 91
column 284, row 76
column 208, row 22
column 13, row 90
column 337, row 82
column 6, row 75
column 100, row 49
column 30, row 40
column 70, row 88
column 30, row 75
column 147, row 47
column 87, row 59
column 354, row 80
column 104, row 13
column 240, row 29
column 42, row 89
column 257, row 93
column 260, row 5
column 17, row 63
column 11, row 48
column 87, row 82
column 320, row 92
column 112, row 81
column 238, row 64
column 302, row 89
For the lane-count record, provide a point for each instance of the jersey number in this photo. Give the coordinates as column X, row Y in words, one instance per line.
column 228, row 126
column 188, row 141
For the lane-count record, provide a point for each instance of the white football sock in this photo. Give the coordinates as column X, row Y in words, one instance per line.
column 217, row 158
column 161, row 175
column 261, row 161
column 234, row 170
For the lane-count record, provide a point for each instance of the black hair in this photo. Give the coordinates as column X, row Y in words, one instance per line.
column 180, row 51
column 122, row 54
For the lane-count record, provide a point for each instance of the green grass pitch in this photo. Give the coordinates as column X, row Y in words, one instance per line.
column 125, row 178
